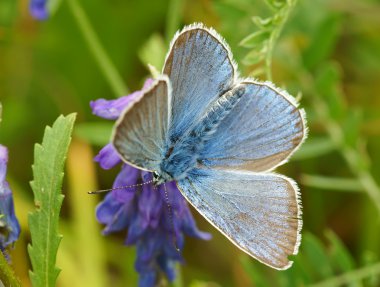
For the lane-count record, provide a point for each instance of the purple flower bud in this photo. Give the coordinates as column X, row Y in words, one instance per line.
column 9, row 226
column 142, row 209
column 38, row 9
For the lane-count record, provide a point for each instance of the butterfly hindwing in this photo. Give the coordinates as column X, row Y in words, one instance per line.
column 259, row 133
column 200, row 68
column 141, row 131
column 259, row 213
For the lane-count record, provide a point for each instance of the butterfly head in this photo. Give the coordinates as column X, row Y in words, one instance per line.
column 158, row 178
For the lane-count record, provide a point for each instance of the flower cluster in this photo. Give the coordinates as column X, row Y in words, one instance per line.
column 9, row 226
column 155, row 229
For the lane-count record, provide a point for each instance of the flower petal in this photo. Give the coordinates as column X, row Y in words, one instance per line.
column 148, row 279
column 38, row 9
column 10, row 230
column 189, row 226
column 3, row 162
column 136, row 229
column 112, row 109
column 9, row 225
column 114, row 214
column 167, row 266
column 124, row 184
column 107, row 157
column 150, row 204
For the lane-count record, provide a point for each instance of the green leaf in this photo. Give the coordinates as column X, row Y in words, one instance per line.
column 314, row 147
column 258, row 278
column 7, row 276
column 323, row 43
column 96, row 133
column 330, row 265
column 276, row 4
column 53, row 6
column 340, row 257
column 266, row 23
column 153, row 51
column 317, row 259
column 351, row 127
column 49, row 160
column 8, row 12
column 255, row 39
column 327, row 82
column 253, row 57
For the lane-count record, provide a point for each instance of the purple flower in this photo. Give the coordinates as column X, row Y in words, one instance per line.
column 142, row 209
column 38, row 9
column 111, row 109
column 9, row 226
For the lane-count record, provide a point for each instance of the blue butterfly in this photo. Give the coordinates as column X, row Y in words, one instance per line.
column 219, row 137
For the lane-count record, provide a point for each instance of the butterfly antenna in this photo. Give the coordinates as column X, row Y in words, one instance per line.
column 120, row 187
column 170, row 212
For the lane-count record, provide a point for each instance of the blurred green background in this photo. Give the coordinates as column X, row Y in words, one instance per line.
column 328, row 55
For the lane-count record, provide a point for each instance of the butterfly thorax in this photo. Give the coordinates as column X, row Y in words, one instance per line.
column 183, row 152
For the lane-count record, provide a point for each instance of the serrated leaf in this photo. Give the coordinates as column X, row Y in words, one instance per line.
column 255, row 39
column 97, row 133
column 49, row 160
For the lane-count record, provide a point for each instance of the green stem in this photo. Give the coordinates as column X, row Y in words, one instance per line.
column 174, row 17
column 351, row 276
column 332, row 183
column 108, row 69
column 178, row 282
column 283, row 15
column 7, row 276
column 351, row 155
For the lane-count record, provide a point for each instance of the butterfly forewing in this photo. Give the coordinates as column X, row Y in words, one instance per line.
column 140, row 133
column 259, row 213
column 200, row 69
